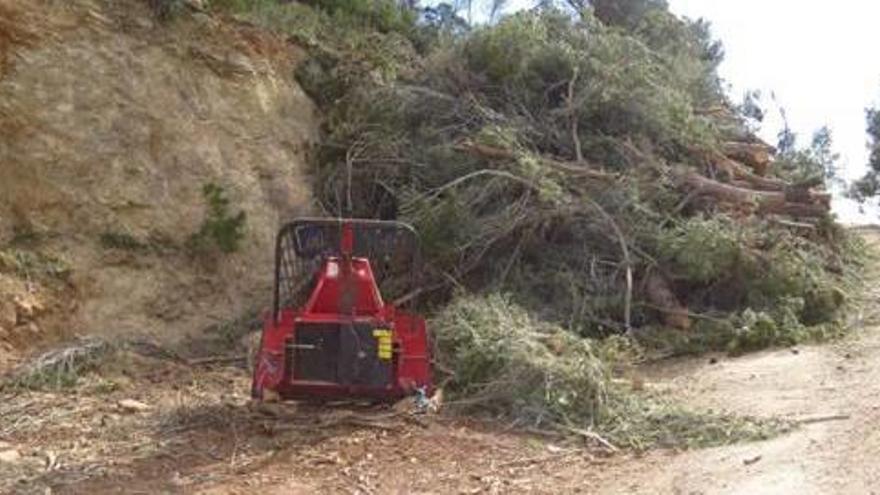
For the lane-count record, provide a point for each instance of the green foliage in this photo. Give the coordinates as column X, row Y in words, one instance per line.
column 866, row 187
column 121, row 240
column 33, row 263
column 384, row 16
column 506, row 362
column 873, row 118
column 59, row 368
column 314, row 16
column 741, row 332
column 817, row 160
column 643, row 421
column 689, row 52
column 220, row 228
column 627, row 14
column 869, row 185
column 440, row 24
column 704, row 249
column 778, row 277
column 623, row 87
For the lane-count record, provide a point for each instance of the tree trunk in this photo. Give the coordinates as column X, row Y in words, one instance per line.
column 794, row 201
column 757, row 156
column 737, row 170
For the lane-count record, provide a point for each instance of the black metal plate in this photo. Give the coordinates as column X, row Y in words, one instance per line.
column 342, row 353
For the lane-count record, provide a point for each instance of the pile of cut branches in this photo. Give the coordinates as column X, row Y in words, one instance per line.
column 572, row 164
column 537, row 375
column 589, row 166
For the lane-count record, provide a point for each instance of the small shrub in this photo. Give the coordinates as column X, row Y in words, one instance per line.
column 220, row 228
column 29, row 263
column 61, row 367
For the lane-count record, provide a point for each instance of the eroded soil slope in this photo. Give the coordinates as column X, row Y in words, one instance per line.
column 111, row 124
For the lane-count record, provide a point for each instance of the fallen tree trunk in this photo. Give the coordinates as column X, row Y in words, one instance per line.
column 802, row 210
column 756, row 156
column 738, row 171
column 745, row 179
column 794, row 202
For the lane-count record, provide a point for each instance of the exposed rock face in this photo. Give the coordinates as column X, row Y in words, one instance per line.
column 111, row 124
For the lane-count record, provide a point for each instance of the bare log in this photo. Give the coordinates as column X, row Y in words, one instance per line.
column 801, row 210
column 745, row 179
column 808, row 204
column 757, row 156
column 484, row 151
column 714, row 111
column 738, row 171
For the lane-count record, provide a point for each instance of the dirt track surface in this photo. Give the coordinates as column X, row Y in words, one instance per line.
column 196, row 432
column 834, row 390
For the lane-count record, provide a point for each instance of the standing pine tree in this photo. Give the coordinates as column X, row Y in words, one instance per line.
column 869, row 185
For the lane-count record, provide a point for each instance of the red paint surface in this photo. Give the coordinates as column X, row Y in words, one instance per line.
column 345, row 292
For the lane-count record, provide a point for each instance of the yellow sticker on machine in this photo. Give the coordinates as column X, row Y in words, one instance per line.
column 383, row 341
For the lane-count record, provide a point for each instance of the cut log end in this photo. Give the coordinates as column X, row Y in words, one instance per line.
column 792, row 201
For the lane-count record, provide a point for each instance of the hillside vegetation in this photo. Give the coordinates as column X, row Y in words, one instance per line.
column 589, row 164
column 586, row 193
column 575, row 171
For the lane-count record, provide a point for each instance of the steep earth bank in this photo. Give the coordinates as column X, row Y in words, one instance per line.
column 111, row 124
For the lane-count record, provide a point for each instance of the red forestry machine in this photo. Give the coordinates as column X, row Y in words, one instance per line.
column 330, row 335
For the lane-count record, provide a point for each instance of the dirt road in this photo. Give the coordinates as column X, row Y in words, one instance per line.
column 193, row 430
column 837, row 386
column 834, row 389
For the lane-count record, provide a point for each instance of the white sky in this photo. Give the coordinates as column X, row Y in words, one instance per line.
column 818, row 58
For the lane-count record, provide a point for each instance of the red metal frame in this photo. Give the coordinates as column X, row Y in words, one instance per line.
column 345, row 292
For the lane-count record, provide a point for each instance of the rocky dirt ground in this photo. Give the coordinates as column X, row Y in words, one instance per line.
column 162, row 425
